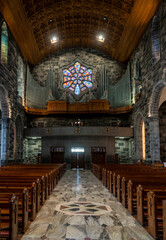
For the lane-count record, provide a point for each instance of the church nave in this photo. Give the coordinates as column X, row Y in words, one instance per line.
column 81, row 208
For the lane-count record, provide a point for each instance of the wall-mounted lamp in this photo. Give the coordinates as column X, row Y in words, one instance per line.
column 54, row 39
column 100, row 38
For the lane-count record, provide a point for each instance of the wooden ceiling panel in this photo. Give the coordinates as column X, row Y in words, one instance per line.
column 76, row 23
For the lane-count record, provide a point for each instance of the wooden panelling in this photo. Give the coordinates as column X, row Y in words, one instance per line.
column 76, row 24
column 93, row 106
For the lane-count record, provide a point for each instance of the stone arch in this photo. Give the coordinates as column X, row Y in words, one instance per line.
column 138, row 120
column 5, row 103
column 5, row 115
column 153, row 115
column 155, row 99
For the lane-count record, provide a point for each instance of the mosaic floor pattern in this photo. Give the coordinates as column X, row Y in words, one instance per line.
column 81, row 208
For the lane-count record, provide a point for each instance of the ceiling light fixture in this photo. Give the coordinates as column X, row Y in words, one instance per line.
column 101, row 38
column 54, row 39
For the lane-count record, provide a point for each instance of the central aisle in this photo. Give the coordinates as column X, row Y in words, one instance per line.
column 81, row 208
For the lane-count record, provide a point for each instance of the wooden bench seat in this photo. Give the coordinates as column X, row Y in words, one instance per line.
column 9, row 218
column 142, row 201
column 32, row 195
column 131, row 185
column 156, row 202
column 23, row 204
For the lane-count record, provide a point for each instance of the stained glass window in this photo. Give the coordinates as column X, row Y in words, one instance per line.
column 4, row 44
column 155, row 40
column 77, row 78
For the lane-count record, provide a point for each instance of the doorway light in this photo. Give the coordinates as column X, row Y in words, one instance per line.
column 78, row 149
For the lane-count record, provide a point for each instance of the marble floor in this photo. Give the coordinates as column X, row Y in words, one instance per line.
column 81, row 208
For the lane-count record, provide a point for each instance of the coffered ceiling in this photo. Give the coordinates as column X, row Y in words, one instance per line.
column 76, row 23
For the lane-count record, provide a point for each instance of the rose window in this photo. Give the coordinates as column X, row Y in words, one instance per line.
column 77, row 78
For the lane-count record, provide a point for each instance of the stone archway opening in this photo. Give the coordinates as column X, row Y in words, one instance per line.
column 162, row 127
column 162, row 124
column 5, row 114
column 156, row 100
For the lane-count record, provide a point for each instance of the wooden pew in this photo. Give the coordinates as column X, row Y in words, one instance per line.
column 32, row 195
column 156, row 206
column 9, row 218
column 142, row 201
column 23, row 204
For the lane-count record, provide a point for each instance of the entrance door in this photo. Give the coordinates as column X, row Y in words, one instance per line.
column 57, row 154
column 98, row 155
column 77, row 158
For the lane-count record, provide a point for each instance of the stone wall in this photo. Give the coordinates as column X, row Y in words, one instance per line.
column 125, row 150
column 10, row 107
column 91, row 57
column 153, row 81
column 32, row 147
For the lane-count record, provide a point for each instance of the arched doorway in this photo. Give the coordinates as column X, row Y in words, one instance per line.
column 156, row 99
column 162, row 124
column 5, row 118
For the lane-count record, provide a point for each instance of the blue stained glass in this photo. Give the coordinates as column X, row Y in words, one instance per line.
column 67, row 84
column 4, row 44
column 88, row 72
column 88, row 84
column 77, row 90
column 66, row 72
column 77, row 78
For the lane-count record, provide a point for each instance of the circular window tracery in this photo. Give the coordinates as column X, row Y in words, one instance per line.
column 77, row 78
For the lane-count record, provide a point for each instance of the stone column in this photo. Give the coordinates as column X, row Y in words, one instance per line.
column 154, row 138
column 4, row 139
